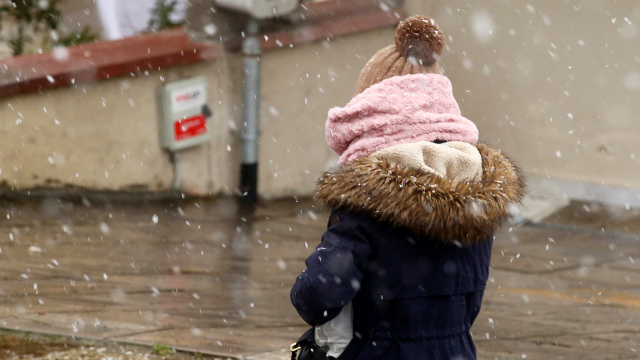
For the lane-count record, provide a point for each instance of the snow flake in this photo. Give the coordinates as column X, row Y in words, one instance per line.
column 61, row 54
column 104, row 228
column 281, row 264
column 210, row 29
column 483, row 26
column 632, row 81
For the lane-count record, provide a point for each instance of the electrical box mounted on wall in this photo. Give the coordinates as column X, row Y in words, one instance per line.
column 259, row 9
column 183, row 113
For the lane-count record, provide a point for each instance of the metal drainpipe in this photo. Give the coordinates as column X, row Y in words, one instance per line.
column 251, row 49
column 175, row 160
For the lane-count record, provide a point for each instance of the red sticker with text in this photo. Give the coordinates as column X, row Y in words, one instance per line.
column 190, row 127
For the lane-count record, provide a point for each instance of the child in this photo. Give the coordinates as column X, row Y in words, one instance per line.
column 415, row 203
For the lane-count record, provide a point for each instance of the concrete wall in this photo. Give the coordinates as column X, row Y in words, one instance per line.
column 300, row 86
column 104, row 135
column 555, row 84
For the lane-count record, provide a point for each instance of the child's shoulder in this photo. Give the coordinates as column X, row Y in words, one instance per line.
column 346, row 217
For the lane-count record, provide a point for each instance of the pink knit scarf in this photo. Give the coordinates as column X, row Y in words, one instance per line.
column 398, row 110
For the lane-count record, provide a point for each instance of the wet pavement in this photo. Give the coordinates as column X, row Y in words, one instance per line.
column 210, row 277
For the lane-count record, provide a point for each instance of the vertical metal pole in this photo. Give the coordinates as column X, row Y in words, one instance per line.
column 251, row 49
column 175, row 160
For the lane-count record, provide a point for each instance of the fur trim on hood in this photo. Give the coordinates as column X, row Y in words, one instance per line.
column 427, row 204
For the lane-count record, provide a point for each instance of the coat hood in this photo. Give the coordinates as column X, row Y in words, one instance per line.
column 430, row 205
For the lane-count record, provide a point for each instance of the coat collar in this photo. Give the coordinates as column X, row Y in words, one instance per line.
column 429, row 205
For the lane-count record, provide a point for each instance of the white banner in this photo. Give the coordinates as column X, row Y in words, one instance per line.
column 188, row 98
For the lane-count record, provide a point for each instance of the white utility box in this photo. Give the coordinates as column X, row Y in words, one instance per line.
column 259, row 9
column 183, row 113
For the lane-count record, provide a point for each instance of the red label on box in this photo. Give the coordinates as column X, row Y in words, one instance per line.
column 190, row 127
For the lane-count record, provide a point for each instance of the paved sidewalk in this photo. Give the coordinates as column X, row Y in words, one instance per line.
column 209, row 277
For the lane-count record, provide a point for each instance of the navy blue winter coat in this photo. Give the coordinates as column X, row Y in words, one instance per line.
column 411, row 253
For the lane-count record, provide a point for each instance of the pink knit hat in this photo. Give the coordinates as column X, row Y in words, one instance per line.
column 398, row 110
column 416, row 50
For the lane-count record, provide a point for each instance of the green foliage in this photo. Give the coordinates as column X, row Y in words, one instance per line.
column 43, row 17
column 78, row 37
column 35, row 11
column 17, row 43
column 162, row 349
column 161, row 16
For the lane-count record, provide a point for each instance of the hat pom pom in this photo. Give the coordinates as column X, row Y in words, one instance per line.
column 420, row 40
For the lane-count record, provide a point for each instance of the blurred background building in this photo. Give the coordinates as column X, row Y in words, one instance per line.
column 555, row 84
column 123, row 18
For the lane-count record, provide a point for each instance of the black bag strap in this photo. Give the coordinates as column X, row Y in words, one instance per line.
column 307, row 338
